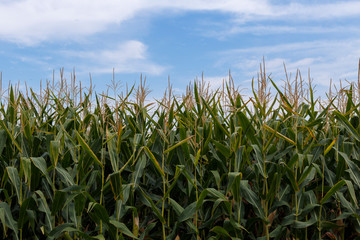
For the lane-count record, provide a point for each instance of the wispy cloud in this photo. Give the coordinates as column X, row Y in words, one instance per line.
column 126, row 57
column 30, row 22
column 326, row 59
column 318, row 11
column 225, row 31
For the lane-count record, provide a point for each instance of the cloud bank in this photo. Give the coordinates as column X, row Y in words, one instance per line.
column 30, row 22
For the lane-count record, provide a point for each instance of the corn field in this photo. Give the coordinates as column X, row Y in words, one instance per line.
column 280, row 164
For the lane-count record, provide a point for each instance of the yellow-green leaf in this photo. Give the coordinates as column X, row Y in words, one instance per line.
column 87, row 148
column 154, row 161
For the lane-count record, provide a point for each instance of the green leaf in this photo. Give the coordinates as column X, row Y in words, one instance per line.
column 188, row 212
column 178, row 171
column 7, row 218
column 43, row 207
column 291, row 176
column 201, row 199
column 58, row 202
column 139, row 170
column 197, row 157
column 252, row 198
column 15, row 180
column 2, row 122
column 331, row 225
column 153, row 206
column 197, row 99
column 259, row 160
column 26, row 168
column 154, row 161
column 58, row 231
column 177, row 145
column 347, row 125
column 80, row 201
column 40, row 163
column 237, row 225
column 116, row 185
column 217, row 178
column 183, row 135
column 274, row 185
column 87, row 148
column 234, row 184
column 222, row 148
column 303, row 225
column 2, row 140
column 54, row 152
column 279, row 135
column 283, row 97
column 27, row 204
column 330, row 146
column 216, row 194
column 113, row 152
column 12, row 106
column 65, row 175
column 3, row 219
column 305, row 174
column 98, row 212
column 333, row 190
column 351, row 191
column 220, row 231
column 25, row 123
column 354, row 170
column 216, row 120
column 248, row 127
column 123, row 228
column 176, row 206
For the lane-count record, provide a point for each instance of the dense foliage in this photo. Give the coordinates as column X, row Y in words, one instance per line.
column 207, row 165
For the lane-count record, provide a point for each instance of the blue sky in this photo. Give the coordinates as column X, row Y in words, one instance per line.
column 180, row 39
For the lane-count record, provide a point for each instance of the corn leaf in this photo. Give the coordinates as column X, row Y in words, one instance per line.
column 154, row 161
column 87, row 148
column 333, row 190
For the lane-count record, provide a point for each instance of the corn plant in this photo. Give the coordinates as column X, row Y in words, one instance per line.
column 280, row 164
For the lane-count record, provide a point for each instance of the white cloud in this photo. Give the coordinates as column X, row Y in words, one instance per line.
column 252, row 7
column 252, row 10
column 129, row 50
column 326, row 60
column 225, row 31
column 34, row 60
column 215, row 81
column 32, row 21
column 276, row 65
column 319, row 11
column 126, row 57
column 295, row 47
